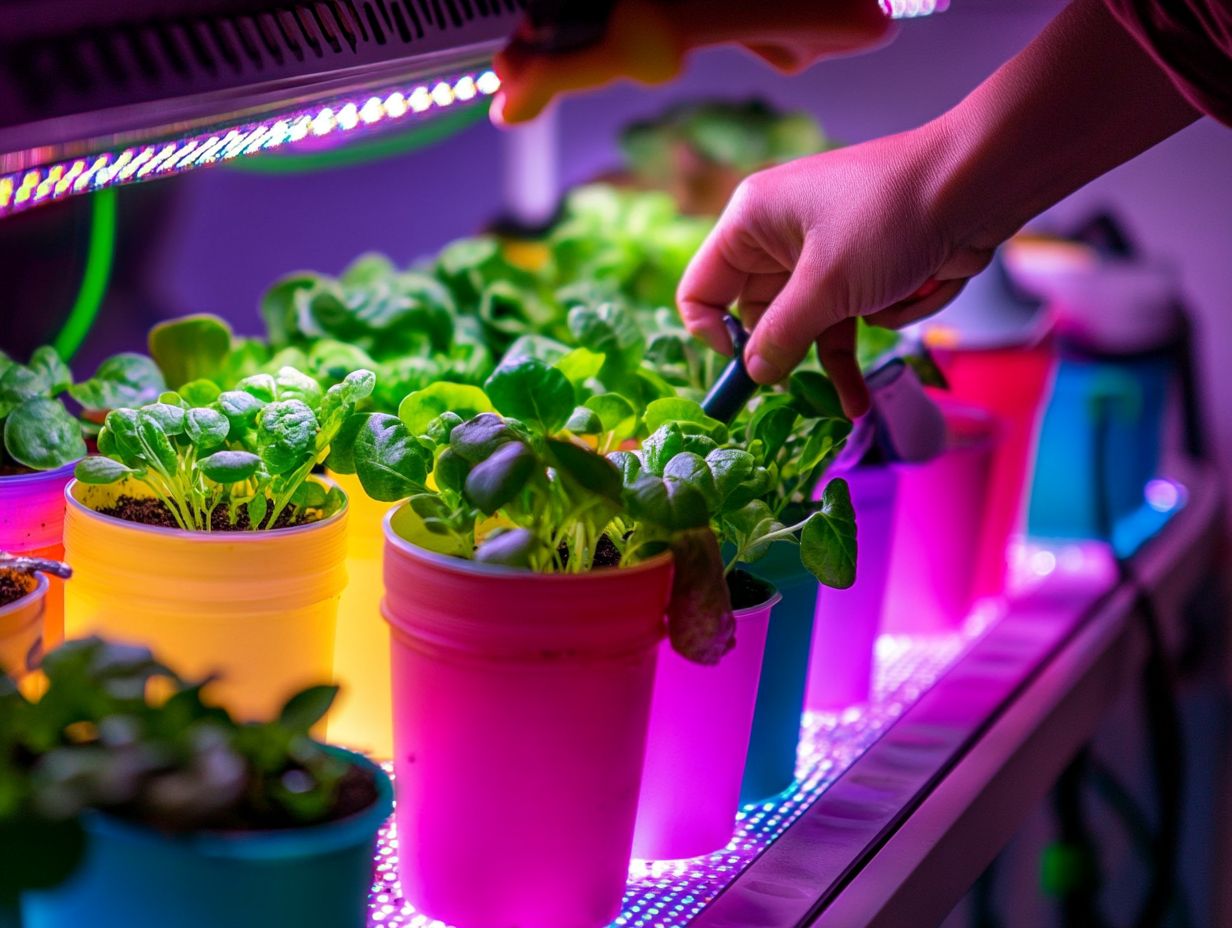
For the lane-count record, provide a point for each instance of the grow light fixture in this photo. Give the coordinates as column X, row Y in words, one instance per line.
column 341, row 117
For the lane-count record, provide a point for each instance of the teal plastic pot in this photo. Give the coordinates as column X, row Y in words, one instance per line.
column 771, row 764
column 316, row 877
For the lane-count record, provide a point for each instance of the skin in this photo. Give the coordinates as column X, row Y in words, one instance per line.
column 891, row 229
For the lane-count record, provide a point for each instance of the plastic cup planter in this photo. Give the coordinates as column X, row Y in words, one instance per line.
column 314, row 877
column 847, row 622
column 940, row 519
column 363, row 717
column 700, row 722
column 1013, row 383
column 520, row 710
column 21, row 630
column 32, row 523
column 258, row 608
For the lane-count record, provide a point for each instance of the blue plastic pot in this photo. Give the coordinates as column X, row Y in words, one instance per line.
column 771, row 764
column 1117, row 403
column 315, row 877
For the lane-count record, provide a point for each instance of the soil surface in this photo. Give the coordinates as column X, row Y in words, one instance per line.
column 13, row 586
column 606, row 553
column 14, row 470
column 148, row 511
column 746, row 590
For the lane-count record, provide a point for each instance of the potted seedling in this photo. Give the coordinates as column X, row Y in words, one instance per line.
column 702, row 715
column 134, row 800
column 525, row 589
column 200, row 525
column 40, row 442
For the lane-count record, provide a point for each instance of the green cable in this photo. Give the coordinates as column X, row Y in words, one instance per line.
column 423, row 134
column 94, row 280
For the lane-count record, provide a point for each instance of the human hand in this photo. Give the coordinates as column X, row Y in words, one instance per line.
column 806, row 247
column 647, row 41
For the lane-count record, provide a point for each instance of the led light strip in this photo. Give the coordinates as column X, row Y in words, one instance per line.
column 912, row 9
column 24, row 189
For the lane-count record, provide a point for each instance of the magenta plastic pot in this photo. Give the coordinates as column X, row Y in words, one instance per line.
column 938, row 534
column 32, row 523
column 847, row 622
column 698, row 743
column 520, row 709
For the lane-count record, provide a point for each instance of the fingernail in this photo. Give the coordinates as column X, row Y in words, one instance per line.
column 762, row 370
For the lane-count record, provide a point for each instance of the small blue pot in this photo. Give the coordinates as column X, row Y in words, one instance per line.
column 771, row 765
column 315, row 877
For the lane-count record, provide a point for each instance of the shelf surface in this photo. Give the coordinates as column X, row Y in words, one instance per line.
column 817, row 854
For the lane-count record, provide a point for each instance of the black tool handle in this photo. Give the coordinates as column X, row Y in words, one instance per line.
column 555, row 26
column 735, row 387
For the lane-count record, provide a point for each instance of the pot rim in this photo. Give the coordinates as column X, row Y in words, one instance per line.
column 308, row 841
column 71, row 502
column 769, row 602
column 461, row 565
column 42, row 584
column 41, row 475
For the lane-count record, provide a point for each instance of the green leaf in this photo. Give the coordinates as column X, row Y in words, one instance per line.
column 580, row 365
column 584, row 421
column 593, row 472
column 229, row 467
column 190, row 348
column 240, row 408
column 692, row 470
column 510, row 547
column 617, row 415
column 286, row 435
column 815, row 395
column 306, row 708
column 296, row 385
column 479, row 438
column 629, row 465
column 310, row 495
column 261, row 386
column 157, row 446
column 391, row 463
column 257, row 509
column 46, row 360
column 420, row 408
column 409, row 524
column 97, row 469
column 673, row 506
column 369, row 268
column 533, row 392
column 206, row 428
column 664, row 444
column 494, row 482
column 450, row 471
column 278, row 306
column 680, row 410
column 730, row 467
column 122, row 381
column 170, row 418
column 828, row 541
column 341, row 458
column 200, row 392
column 772, row 424
column 42, row 435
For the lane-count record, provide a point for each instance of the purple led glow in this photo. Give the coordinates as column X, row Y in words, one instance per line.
column 302, row 128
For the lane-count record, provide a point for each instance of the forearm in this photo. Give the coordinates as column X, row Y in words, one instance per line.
column 1081, row 99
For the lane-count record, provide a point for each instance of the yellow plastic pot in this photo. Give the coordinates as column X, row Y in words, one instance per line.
column 256, row 608
column 362, row 718
column 21, row 631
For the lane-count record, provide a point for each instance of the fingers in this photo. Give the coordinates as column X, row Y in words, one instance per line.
column 711, row 283
column 836, row 349
column 639, row 43
column 790, row 324
column 911, row 310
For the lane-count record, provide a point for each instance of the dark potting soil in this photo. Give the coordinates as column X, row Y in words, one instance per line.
column 606, row 553
column 146, row 511
column 746, row 590
column 13, row 586
column 15, row 470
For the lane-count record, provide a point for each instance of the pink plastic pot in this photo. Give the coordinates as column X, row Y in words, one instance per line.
column 32, row 523
column 939, row 528
column 520, row 709
column 700, row 724
column 847, row 622
column 1014, row 384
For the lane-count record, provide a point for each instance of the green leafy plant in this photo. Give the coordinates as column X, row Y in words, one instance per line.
column 247, row 450
column 99, row 738
column 38, row 432
column 511, row 474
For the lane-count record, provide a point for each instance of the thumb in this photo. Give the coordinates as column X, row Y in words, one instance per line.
column 790, row 325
